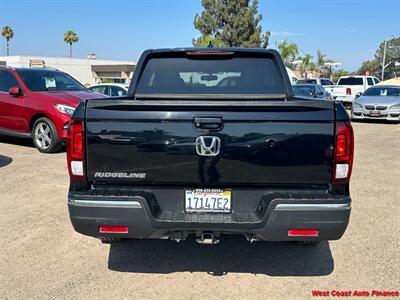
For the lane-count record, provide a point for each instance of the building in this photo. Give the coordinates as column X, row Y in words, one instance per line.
column 88, row 71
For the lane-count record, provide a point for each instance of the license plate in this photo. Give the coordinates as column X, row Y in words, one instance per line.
column 374, row 113
column 208, row 200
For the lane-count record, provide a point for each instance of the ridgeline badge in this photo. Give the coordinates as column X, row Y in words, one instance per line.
column 119, row 175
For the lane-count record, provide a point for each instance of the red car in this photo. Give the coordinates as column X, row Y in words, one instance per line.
column 38, row 103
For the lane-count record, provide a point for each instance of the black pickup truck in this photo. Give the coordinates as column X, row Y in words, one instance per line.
column 208, row 142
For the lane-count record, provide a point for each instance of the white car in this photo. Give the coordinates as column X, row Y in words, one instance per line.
column 321, row 81
column 381, row 102
column 348, row 87
column 292, row 76
column 111, row 89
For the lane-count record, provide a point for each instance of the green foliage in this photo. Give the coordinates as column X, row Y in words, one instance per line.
column 70, row 37
column 8, row 34
column 287, row 50
column 392, row 55
column 231, row 23
column 204, row 41
column 321, row 58
column 372, row 66
column 307, row 64
column 339, row 73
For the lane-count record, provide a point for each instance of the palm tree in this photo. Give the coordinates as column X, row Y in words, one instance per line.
column 287, row 50
column 70, row 37
column 306, row 64
column 8, row 34
column 321, row 58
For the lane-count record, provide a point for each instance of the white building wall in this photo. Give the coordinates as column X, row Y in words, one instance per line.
column 78, row 68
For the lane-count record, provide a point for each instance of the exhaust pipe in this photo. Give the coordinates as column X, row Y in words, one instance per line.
column 252, row 237
column 207, row 239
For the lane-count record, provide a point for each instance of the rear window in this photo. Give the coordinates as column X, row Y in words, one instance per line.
column 304, row 90
column 210, row 76
column 383, row 91
column 351, row 81
column 305, row 81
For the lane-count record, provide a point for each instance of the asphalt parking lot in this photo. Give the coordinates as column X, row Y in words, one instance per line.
column 42, row 257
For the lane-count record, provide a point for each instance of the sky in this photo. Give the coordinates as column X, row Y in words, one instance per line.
column 348, row 31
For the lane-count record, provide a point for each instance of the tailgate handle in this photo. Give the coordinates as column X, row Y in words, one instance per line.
column 212, row 123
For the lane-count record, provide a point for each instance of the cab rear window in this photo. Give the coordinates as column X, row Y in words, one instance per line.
column 351, row 81
column 210, row 75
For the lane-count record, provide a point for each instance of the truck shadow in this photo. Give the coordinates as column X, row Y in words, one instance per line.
column 5, row 160
column 27, row 142
column 233, row 254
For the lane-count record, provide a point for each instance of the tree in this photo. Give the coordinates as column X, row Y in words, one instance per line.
column 287, row 50
column 307, row 63
column 392, row 56
column 321, row 58
column 321, row 61
column 8, row 34
column 373, row 67
column 70, row 37
column 231, row 23
column 204, row 41
column 339, row 73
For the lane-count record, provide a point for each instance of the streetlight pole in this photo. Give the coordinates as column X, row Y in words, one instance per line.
column 383, row 61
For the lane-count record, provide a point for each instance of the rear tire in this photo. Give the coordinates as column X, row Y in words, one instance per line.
column 45, row 137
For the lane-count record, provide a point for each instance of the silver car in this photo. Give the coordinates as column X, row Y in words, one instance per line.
column 380, row 102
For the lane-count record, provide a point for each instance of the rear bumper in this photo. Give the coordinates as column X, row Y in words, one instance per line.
column 329, row 217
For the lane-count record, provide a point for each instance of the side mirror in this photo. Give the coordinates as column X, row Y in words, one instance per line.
column 358, row 95
column 14, row 91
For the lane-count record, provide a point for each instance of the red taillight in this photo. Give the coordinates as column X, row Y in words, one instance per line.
column 348, row 91
column 344, row 150
column 75, row 149
column 113, row 229
column 302, row 232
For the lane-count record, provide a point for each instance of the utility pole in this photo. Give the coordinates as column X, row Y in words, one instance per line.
column 383, row 61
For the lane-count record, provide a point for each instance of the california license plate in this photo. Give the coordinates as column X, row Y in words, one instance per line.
column 374, row 113
column 208, row 200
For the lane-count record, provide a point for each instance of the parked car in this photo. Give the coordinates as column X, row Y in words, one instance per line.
column 321, row 81
column 349, row 86
column 379, row 102
column 292, row 76
column 311, row 91
column 111, row 89
column 38, row 103
column 181, row 155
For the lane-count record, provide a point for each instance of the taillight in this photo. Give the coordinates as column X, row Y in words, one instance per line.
column 302, row 232
column 113, row 229
column 344, row 149
column 348, row 91
column 76, row 150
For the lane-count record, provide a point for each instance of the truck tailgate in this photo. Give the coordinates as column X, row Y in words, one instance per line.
column 280, row 143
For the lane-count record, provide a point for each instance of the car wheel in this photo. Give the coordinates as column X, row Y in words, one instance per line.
column 45, row 137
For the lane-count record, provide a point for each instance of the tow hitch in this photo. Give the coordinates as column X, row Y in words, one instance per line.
column 207, row 238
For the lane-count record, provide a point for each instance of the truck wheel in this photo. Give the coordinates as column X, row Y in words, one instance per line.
column 45, row 137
